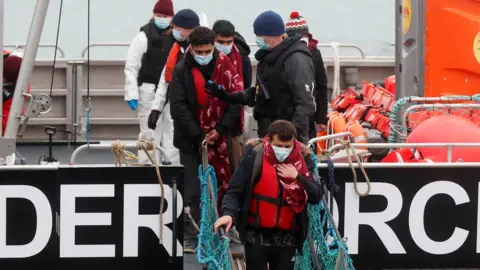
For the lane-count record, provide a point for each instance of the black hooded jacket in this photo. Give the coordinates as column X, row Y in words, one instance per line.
column 287, row 73
column 187, row 134
column 244, row 50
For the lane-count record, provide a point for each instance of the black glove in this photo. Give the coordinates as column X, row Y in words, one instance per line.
column 216, row 90
column 250, row 94
column 153, row 119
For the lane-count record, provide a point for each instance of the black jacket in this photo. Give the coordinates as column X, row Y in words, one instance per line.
column 321, row 95
column 188, row 135
column 160, row 43
column 244, row 50
column 236, row 201
column 288, row 74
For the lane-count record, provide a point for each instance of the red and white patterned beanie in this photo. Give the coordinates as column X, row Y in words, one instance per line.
column 296, row 24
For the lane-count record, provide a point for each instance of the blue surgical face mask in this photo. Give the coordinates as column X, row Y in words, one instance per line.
column 162, row 23
column 203, row 60
column 281, row 153
column 177, row 35
column 226, row 49
column 261, row 43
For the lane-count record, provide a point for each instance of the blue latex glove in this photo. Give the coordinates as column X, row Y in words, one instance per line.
column 133, row 104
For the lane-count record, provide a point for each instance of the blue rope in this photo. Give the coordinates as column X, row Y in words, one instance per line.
column 214, row 256
column 88, row 127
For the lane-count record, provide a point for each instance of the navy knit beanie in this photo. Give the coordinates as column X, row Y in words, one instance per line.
column 186, row 18
column 269, row 24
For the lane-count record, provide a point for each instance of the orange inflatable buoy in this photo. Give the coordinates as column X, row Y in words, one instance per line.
column 417, row 117
column 357, row 131
column 447, row 129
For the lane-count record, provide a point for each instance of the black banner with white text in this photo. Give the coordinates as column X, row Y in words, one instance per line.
column 89, row 218
column 413, row 218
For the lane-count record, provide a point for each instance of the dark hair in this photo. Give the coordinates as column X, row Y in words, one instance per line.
column 201, row 36
column 223, row 28
column 284, row 129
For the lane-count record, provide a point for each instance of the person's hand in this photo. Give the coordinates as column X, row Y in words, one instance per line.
column 215, row 90
column 133, row 104
column 153, row 119
column 226, row 221
column 321, row 127
column 250, row 94
column 212, row 136
column 287, row 171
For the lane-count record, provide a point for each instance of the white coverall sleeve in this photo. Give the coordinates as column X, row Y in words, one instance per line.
column 160, row 94
column 135, row 53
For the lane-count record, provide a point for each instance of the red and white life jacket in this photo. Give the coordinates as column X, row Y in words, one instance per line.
column 268, row 206
column 405, row 155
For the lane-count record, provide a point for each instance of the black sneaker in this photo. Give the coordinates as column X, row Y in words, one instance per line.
column 189, row 246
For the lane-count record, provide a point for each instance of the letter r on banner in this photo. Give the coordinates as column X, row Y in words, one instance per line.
column 44, row 221
column 132, row 220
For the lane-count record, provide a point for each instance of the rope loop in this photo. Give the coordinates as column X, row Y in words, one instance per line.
column 351, row 151
column 123, row 156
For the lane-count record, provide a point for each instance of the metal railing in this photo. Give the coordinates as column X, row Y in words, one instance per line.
column 108, row 146
column 84, row 51
column 22, row 46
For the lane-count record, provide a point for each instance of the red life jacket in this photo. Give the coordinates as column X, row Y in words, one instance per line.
column 268, row 206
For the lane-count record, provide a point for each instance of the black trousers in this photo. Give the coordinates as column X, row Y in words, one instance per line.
column 278, row 258
column 191, row 161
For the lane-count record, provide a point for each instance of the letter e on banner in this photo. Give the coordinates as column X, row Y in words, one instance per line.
column 44, row 221
column 132, row 220
column 416, row 217
column 69, row 219
column 376, row 220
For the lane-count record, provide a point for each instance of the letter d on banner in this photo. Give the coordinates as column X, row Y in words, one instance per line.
column 44, row 221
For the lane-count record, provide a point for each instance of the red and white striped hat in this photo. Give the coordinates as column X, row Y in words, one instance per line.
column 296, row 24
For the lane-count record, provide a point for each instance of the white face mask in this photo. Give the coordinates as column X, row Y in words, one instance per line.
column 305, row 39
column 281, row 153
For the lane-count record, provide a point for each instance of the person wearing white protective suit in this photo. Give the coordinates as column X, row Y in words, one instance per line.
column 160, row 118
column 146, row 58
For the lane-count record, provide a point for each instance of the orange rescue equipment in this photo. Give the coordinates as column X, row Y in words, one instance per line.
column 383, row 99
column 390, row 84
column 345, row 100
column 357, row 112
column 357, row 131
column 323, row 144
column 404, row 155
column 268, row 206
column 336, row 123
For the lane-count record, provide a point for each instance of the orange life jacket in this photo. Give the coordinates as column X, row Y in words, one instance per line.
column 368, row 90
column 268, row 206
column 357, row 112
column 345, row 100
column 383, row 99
